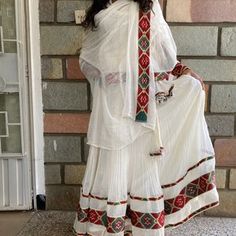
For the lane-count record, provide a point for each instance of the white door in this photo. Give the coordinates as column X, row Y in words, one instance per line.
column 15, row 171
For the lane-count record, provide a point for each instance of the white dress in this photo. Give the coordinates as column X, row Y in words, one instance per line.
column 124, row 189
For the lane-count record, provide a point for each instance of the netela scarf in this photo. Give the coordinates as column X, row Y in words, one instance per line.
column 132, row 51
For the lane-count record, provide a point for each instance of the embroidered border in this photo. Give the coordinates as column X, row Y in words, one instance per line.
column 116, row 225
column 189, row 169
column 143, row 65
column 144, row 32
column 123, row 201
column 170, row 225
column 177, row 71
column 195, row 188
column 194, row 213
column 150, row 198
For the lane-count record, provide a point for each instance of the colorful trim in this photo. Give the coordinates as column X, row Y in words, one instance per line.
column 179, row 69
column 152, row 220
column 147, row 220
column 201, row 185
column 161, row 76
column 197, row 212
column 144, row 69
column 194, row 214
column 116, row 225
column 189, row 169
column 123, row 201
column 150, row 198
column 143, row 65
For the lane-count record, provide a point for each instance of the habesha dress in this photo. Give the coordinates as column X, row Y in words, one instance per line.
column 151, row 163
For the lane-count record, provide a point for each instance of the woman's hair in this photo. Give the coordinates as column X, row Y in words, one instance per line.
column 99, row 5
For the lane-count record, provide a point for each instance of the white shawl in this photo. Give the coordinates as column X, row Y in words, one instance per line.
column 110, row 61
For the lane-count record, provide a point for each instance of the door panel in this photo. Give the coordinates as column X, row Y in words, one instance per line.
column 15, row 173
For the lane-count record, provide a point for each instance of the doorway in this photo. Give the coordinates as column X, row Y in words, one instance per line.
column 15, row 147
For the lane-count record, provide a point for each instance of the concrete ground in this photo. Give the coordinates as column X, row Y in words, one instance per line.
column 59, row 223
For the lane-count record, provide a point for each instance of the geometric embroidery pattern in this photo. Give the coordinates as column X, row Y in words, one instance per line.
column 117, row 225
column 143, row 65
column 154, row 220
column 148, row 220
column 195, row 188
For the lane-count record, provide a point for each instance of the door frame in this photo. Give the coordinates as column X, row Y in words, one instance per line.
column 33, row 74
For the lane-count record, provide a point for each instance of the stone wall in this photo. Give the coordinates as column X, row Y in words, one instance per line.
column 205, row 34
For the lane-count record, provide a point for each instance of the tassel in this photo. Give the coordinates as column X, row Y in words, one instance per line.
column 158, row 153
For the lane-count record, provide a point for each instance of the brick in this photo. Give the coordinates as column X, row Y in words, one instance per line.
column 66, row 9
column 74, row 174
column 63, row 123
column 227, row 206
column 52, row 42
column 220, row 178
column 201, row 11
column 52, row 174
column 228, row 41
column 46, row 10
column 196, row 40
column 223, row 98
column 220, row 125
column 73, row 69
column 52, row 68
column 225, row 152
column 60, row 197
column 232, row 180
column 65, row 96
column 62, row 148
column 213, row 70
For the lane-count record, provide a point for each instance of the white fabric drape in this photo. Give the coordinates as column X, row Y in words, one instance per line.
column 109, row 60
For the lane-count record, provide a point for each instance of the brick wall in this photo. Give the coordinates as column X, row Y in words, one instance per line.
column 205, row 34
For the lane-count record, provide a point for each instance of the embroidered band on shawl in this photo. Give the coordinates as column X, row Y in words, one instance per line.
column 143, row 65
column 144, row 70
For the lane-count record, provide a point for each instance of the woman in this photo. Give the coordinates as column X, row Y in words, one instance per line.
column 151, row 162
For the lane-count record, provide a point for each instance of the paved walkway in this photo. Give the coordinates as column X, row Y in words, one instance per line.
column 59, row 223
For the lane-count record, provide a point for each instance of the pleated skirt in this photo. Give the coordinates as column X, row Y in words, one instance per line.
column 128, row 190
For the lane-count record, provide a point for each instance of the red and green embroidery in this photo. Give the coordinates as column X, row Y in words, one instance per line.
column 117, row 224
column 144, row 68
column 124, row 201
column 193, row 214
column 154, row 220
column 201, row 185
column 189, row 169
column 143, row 65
